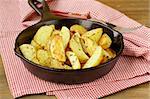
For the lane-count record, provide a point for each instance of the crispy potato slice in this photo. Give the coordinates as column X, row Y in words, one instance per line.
column 95, row 59
column 76, row 47
column 111, row 52
column 65, row 33
column 106, row 56
column 67, row 67
column 88, row 45
column 94, row 34
column 56, row 64
column 43, row 34
column 105, row 41
column 52, row 26
column 73, row 60
column 28, row 51
column 78, row 28
column 57, row 48
column 55, row 32
column 35, row 60
column 36, row 45
column 44, row 57
column 47, row 46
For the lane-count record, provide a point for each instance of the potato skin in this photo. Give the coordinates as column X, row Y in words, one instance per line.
column 57, row 48
column 78, row 28
column 105, row 41
column 76, row 47
column 95, row 59
column 44, row 57
column 56, row 64
column 28, row 51
column 65, row 33
column 94, row 34
column 73, row 60
column 36, row 45
column 111, row 52
column 88, row 45
column 43, row 34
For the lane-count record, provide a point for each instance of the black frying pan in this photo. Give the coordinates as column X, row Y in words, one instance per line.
column 61, row 75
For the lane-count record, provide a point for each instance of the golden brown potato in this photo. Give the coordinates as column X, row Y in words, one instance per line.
column 94, row 34
column 47, row 46
column 78, row 28
column 95, row 59
column 56, row 64
column 65, row 33
column 28, row 51
column 55, row 32
column 73, row 60
column 111, row 52
column 67, row 67
column 105, row 41
column 88, row 45
column 36, row 45
column 35, row 60
column 52, row 26
column 43, row 34
column 50, row 47
column 76, row 47
column 57, row 48
column 44, row 57
column 106, row 56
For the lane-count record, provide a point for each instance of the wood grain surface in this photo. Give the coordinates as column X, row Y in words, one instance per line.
column 138, row 10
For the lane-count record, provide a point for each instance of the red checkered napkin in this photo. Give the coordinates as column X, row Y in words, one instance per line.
column 83, row 7
column 128, row 71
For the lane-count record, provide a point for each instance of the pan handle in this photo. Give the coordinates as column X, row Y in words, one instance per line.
column 43, row 11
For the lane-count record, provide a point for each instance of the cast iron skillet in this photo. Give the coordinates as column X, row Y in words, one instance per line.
column 61, row 75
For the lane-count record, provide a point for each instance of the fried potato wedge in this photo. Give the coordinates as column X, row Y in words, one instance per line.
column 47, row 46
column 44, row 57
column 35, row 60
column 65, row 33
column 57, row 48
column 76, row 47
column 52, row 26
column 36, row 45
column 106, row 56
column 111, row 52
column 88, row 45
column 55, row 32
column 105, row 41
column 95, row 59
column 73, row 60
column 43, row 34
column 94, row 34
column 78, row 28
column 56, row 64
column 67, row 67
column 28, row 51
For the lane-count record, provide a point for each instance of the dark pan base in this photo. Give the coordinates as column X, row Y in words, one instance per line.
column 69, row 76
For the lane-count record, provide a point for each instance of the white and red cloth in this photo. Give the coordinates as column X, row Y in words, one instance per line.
column 133, row 67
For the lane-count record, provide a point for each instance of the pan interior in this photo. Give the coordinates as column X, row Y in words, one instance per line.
column 27, row 35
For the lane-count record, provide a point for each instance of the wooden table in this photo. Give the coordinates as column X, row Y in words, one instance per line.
column 136, row 9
